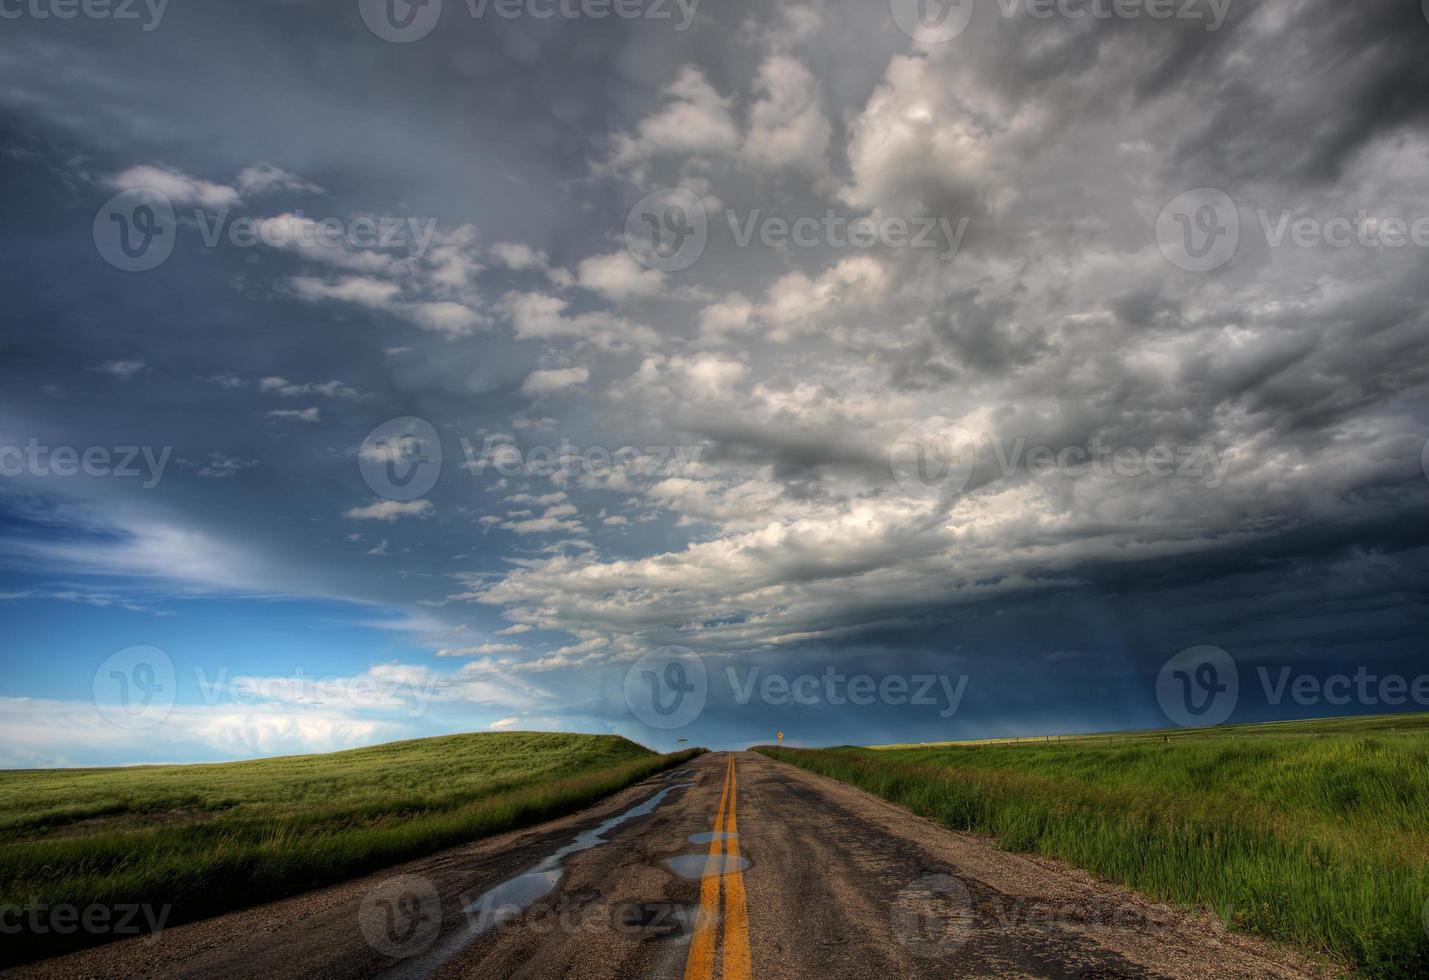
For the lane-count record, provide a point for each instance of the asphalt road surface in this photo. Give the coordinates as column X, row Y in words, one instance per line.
column 734, row 867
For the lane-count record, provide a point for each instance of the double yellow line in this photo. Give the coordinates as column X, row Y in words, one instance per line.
column 723, row 855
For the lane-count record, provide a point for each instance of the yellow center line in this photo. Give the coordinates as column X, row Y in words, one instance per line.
column 700, row 965
column 736, row 913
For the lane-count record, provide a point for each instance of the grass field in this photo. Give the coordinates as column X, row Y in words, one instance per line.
column 207, row 839
column 1315, row 833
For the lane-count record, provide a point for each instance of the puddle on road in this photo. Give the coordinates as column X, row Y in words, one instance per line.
column 514, row 895
column 692, row 867
column 708, row 836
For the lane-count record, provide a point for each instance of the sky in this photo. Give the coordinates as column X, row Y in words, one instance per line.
column 866, row 372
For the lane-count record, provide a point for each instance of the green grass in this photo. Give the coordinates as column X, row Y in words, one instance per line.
column 211, row 838
column 1314, row 833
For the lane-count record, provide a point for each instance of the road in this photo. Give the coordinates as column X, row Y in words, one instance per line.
column 734, row 867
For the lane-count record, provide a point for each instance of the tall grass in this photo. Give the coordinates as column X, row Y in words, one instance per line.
column 1320, row 840
column 208, row 839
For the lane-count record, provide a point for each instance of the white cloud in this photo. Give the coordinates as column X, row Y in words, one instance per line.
column 362, row 290
column 539, row 383
column 502, row 723
column 178, row 187
column 310, row 414
column 446, row 317
column 483, row 650
column 329, row 389
column 695, row 121
column 123, row 370
column 514, row 255
column 787, row 128
column 263, row 178
column 619, row 277
column 390, row 510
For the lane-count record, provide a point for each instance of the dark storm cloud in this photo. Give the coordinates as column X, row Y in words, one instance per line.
column 782, row 536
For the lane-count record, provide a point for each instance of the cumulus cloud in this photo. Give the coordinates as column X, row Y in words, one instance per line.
column 549, row 382
column 390, row 510
column 179, row 187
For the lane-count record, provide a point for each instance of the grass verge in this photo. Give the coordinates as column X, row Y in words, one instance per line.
column 1313, row 833
column 212, row 838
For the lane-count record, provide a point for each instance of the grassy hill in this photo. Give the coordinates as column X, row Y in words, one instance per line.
column 205, row 839
column 1314, row 832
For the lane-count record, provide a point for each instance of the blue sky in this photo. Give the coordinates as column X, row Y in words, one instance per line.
column 357, row 234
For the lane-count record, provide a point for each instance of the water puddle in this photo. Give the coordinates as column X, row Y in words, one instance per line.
column 513, row 896
column 692, row 867
column 708, row 836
